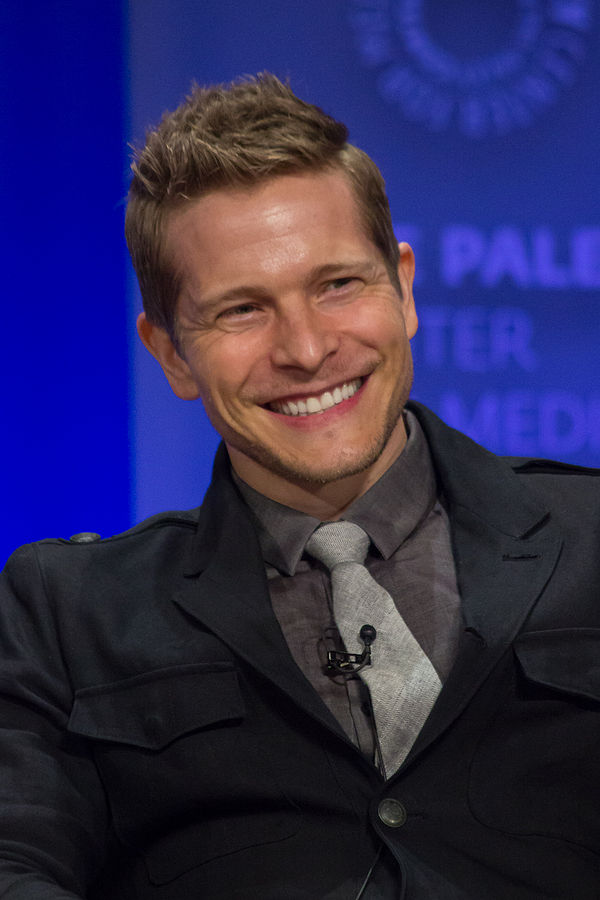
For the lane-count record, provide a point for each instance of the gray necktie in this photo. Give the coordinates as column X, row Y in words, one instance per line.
column 401, row 680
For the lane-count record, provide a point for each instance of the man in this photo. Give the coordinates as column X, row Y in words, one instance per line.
column 215, row 703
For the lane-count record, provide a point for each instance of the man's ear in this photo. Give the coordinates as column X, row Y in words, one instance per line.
column 406, row 274
column 162, row 348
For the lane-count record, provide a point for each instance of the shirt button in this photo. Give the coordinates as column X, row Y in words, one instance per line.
column 84, row 537
column 391, row 812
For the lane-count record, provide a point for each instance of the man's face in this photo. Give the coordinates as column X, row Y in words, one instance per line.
column 290, row 331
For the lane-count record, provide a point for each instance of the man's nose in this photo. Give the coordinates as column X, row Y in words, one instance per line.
column 303, row 339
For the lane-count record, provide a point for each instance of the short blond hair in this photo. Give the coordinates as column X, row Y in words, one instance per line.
column 237, row 135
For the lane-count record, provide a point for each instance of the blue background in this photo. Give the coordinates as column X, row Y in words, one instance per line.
column 484, row 119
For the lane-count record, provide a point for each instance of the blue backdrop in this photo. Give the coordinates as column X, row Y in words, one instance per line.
column 64, row 356
column 484, row 119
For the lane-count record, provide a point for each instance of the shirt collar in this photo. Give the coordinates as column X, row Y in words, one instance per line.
column 389, row 511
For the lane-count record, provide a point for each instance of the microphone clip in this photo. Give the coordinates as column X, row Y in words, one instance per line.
column 344, row 663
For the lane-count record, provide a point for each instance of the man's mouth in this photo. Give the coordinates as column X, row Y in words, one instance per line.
column 310, row 406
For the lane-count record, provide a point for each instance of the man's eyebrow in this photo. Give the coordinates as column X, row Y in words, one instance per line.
column 350, row 266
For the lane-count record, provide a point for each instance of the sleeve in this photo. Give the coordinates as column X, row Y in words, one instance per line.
column 53, row 815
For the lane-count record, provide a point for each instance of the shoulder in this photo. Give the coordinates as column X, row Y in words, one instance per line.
column 167, row 542
column 460, row 451
column 510, row 491
column 566, row 486
column 541, row 467
column 163, row 535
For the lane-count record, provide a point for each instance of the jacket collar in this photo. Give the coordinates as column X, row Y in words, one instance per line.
column 476, row 480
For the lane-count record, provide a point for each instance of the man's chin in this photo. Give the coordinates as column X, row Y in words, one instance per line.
column 320, row 475
column 312, row 474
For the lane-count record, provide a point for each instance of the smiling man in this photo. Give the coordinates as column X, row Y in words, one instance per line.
column 366, row 667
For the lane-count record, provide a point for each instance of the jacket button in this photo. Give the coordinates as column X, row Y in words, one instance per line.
column 391, row 812
column 84, row 537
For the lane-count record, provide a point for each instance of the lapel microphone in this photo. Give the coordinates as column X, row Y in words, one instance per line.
column 344, row 663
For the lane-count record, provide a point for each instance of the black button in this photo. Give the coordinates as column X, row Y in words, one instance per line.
column 84, row 537
column 391, row 813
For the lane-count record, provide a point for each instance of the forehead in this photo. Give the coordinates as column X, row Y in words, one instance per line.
column 277, row 222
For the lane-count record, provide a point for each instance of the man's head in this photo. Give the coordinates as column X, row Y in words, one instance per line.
column 274, row 290
column 237, row 136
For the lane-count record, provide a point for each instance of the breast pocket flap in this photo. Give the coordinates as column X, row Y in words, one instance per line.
column 155, row 708
column 565, row 659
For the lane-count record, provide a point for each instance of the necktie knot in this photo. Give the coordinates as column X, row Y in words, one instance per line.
column 338, row 542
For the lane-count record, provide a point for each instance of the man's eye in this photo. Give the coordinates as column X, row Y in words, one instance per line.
column 340, row 283
column 242, row 309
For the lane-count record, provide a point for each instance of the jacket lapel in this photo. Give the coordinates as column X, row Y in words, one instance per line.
column 225, row 589
column 505, row 550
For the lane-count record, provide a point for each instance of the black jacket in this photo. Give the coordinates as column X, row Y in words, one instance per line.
column 157, row 740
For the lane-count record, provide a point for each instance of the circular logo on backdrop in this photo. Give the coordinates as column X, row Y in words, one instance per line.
column 481, row 68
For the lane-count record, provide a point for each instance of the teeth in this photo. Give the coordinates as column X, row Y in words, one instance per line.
column 314, row 405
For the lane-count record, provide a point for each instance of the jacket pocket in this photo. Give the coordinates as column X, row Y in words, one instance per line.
column 186, row 777
column 155, row 708
column 536, row 770
column 566, row 660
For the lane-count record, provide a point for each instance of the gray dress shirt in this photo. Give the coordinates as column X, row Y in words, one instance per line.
column 410, row 556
